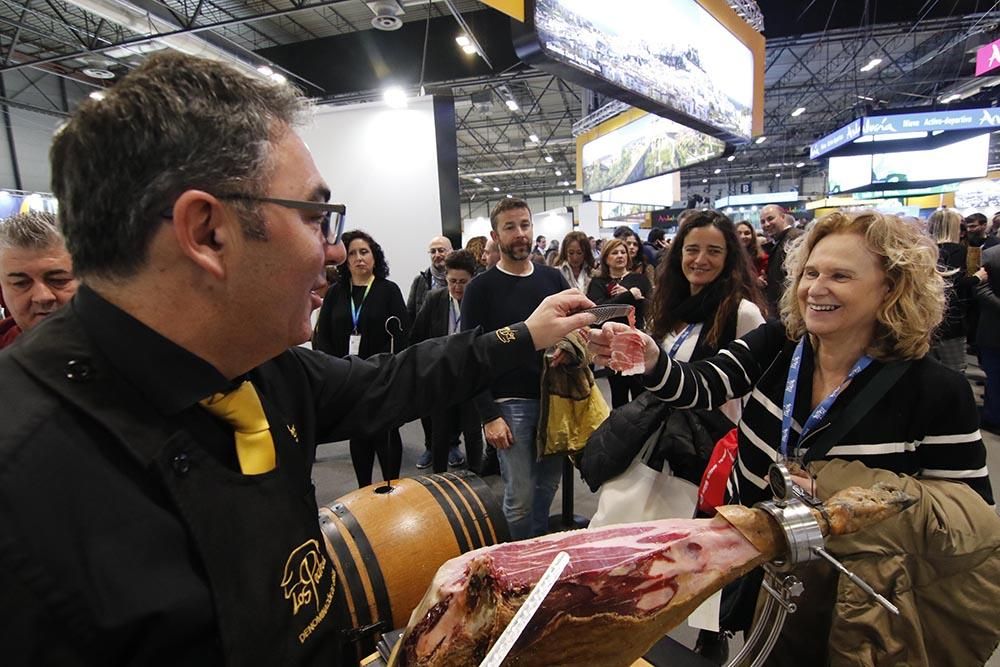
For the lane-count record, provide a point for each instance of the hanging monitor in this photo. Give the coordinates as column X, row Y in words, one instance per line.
column 695, row 61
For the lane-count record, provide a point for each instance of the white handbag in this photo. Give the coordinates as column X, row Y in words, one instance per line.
column 642, row 493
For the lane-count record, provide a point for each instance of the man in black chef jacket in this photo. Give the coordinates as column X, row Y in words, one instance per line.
column 134, row 532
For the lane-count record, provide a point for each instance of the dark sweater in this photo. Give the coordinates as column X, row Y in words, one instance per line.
column 334, row 326
column 495, row 300
column 599, row 292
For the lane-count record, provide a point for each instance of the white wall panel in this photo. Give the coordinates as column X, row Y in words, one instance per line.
column 382, row 163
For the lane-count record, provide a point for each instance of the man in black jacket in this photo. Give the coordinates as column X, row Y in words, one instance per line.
column 441, row 315
column 778, row 225
column 430, row 279
column 167, row 407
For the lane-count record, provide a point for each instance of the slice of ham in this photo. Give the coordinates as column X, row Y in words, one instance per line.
column 628, row 353
column 624, row 588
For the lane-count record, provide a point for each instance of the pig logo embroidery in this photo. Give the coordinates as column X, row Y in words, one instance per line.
column 300, row 583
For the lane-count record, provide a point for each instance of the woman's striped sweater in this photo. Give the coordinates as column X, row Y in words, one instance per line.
column 926, row 425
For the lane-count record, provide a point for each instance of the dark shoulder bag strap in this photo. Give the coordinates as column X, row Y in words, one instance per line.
column 857, row 408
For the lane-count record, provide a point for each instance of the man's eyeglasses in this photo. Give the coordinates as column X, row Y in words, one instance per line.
column 331, row 224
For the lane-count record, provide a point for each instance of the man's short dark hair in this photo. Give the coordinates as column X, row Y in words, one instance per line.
column 507, row 204
column 976, row 217
column 656, row 234
column 460, row 260
column 175, row 123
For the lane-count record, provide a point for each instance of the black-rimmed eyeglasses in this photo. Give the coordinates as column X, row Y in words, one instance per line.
column 331, row 224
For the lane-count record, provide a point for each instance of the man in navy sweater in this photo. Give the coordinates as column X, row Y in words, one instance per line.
column 509, row 409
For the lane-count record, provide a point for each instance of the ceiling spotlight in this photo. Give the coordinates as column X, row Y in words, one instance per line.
column 533, row 138
column 512, row 105
column 777, row 175
column 265, row 70
column 799, row 165
column 463, row 40
column 569, row 192
column 761, row 139
column 558, row 172
column 549, row 159
column 717, row 171
column 496, row 189
column 564, row 183
column 470, row 49
column 730, row 158
column 510, row 196
column 798, row 112
column 704, row 180
column 97, row 95
column 872, row 64
column 395, row 97
column 477, row 180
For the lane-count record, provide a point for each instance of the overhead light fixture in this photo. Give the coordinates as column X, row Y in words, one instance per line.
column 558, row 172
column 470, row 49
column 704, row 180
column 569, row 192
column 496, row 189
column 510, row 196
column 777, row 175
column 564, row 183
column 97, row 95
column 799, row 165
column 865, row 98
column 951, row 98
column 872, row 64
column 395, row 97
column 512, row 105
column 533, row 138
column 761, row 139
column 730, row 158
column 798, row 112
column 549, row 159
column 717, row 171
column 463, row 41
column 477, row 180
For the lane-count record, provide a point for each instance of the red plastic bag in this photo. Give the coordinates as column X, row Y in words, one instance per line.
column 712, row 490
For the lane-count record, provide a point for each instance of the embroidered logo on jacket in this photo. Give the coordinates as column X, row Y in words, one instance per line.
column 300, row 583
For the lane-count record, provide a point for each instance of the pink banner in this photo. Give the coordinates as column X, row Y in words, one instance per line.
column 988, row 58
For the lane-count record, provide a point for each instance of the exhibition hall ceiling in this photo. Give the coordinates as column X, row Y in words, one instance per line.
column 816, row 50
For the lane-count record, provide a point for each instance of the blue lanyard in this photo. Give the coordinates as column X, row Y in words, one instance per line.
column 681, row 337
column 456, row 315
column 817, row 415
column 356, row 310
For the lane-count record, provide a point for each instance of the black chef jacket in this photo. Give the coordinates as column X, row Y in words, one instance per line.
column 129, row 537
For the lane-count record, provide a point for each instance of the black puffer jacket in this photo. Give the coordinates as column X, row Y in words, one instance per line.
column 685, row 443
column 952, row 256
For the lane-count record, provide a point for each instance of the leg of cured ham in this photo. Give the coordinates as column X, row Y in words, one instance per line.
column 624, row 588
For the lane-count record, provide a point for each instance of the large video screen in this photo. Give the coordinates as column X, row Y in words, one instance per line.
column 671, row 58
column 956, row 161
column 645, row 147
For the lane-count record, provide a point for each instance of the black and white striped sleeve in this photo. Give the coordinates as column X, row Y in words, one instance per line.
column 952, row 447
column 709, row 383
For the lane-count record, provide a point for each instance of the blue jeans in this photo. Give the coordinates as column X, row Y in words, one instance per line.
column 528, row 485
column 989, row 360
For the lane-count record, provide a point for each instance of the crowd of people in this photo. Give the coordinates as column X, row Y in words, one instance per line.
column 168, row 391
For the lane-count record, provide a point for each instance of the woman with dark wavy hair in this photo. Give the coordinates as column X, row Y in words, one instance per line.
column 353, row 321
column 706, row 294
